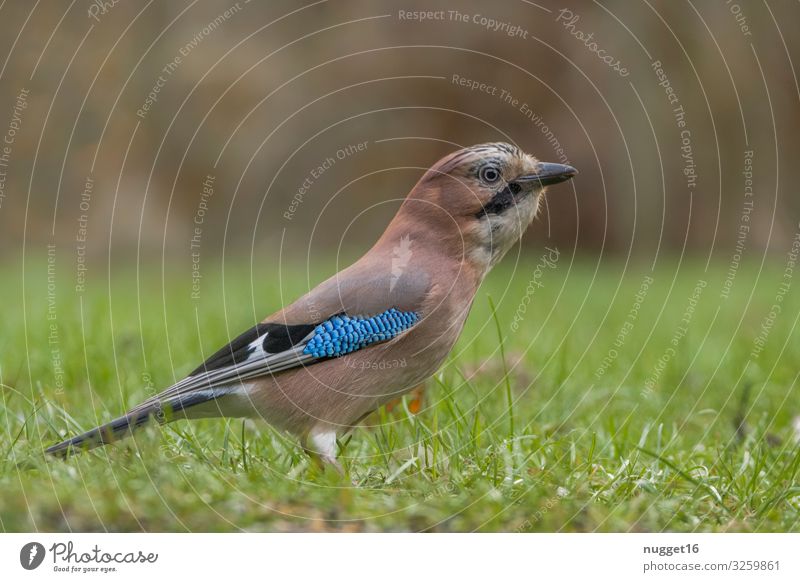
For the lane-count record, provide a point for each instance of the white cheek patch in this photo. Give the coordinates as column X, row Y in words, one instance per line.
column 502, row 231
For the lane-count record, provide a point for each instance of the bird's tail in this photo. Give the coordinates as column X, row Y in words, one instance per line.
column 159, row 411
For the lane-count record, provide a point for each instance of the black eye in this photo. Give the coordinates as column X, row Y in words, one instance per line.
column 489, row 174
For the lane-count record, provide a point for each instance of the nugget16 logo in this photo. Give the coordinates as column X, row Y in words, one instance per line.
column 31, row 555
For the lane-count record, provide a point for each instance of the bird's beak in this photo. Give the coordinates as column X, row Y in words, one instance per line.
column 549, row 174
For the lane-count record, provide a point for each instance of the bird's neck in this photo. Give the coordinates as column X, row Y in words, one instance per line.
column 419, row 240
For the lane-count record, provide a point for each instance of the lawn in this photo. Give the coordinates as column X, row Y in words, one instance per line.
column 591, row 397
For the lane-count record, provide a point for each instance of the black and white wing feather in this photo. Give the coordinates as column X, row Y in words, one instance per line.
column 266, row 348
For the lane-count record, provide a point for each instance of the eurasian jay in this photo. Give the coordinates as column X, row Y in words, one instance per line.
column 320, row 365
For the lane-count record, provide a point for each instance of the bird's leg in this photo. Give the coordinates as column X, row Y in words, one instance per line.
column 320, row 444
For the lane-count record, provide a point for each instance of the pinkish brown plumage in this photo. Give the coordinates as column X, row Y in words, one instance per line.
column 456, row 223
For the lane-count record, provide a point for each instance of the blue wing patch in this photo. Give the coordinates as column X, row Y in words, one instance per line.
column 343, row 334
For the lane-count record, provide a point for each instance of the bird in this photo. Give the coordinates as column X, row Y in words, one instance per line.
column 374, row 330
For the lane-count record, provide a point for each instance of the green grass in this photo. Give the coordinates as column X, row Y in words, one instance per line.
column 525, row 428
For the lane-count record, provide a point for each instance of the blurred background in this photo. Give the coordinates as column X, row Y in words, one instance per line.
column 165, row 128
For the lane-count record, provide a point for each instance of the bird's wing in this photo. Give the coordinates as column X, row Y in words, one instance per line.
column 269, row 348
column 349, row 312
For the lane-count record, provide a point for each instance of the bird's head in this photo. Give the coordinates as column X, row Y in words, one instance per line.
column 485, row 196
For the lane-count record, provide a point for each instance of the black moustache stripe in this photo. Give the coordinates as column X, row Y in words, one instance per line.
column 500, row 202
